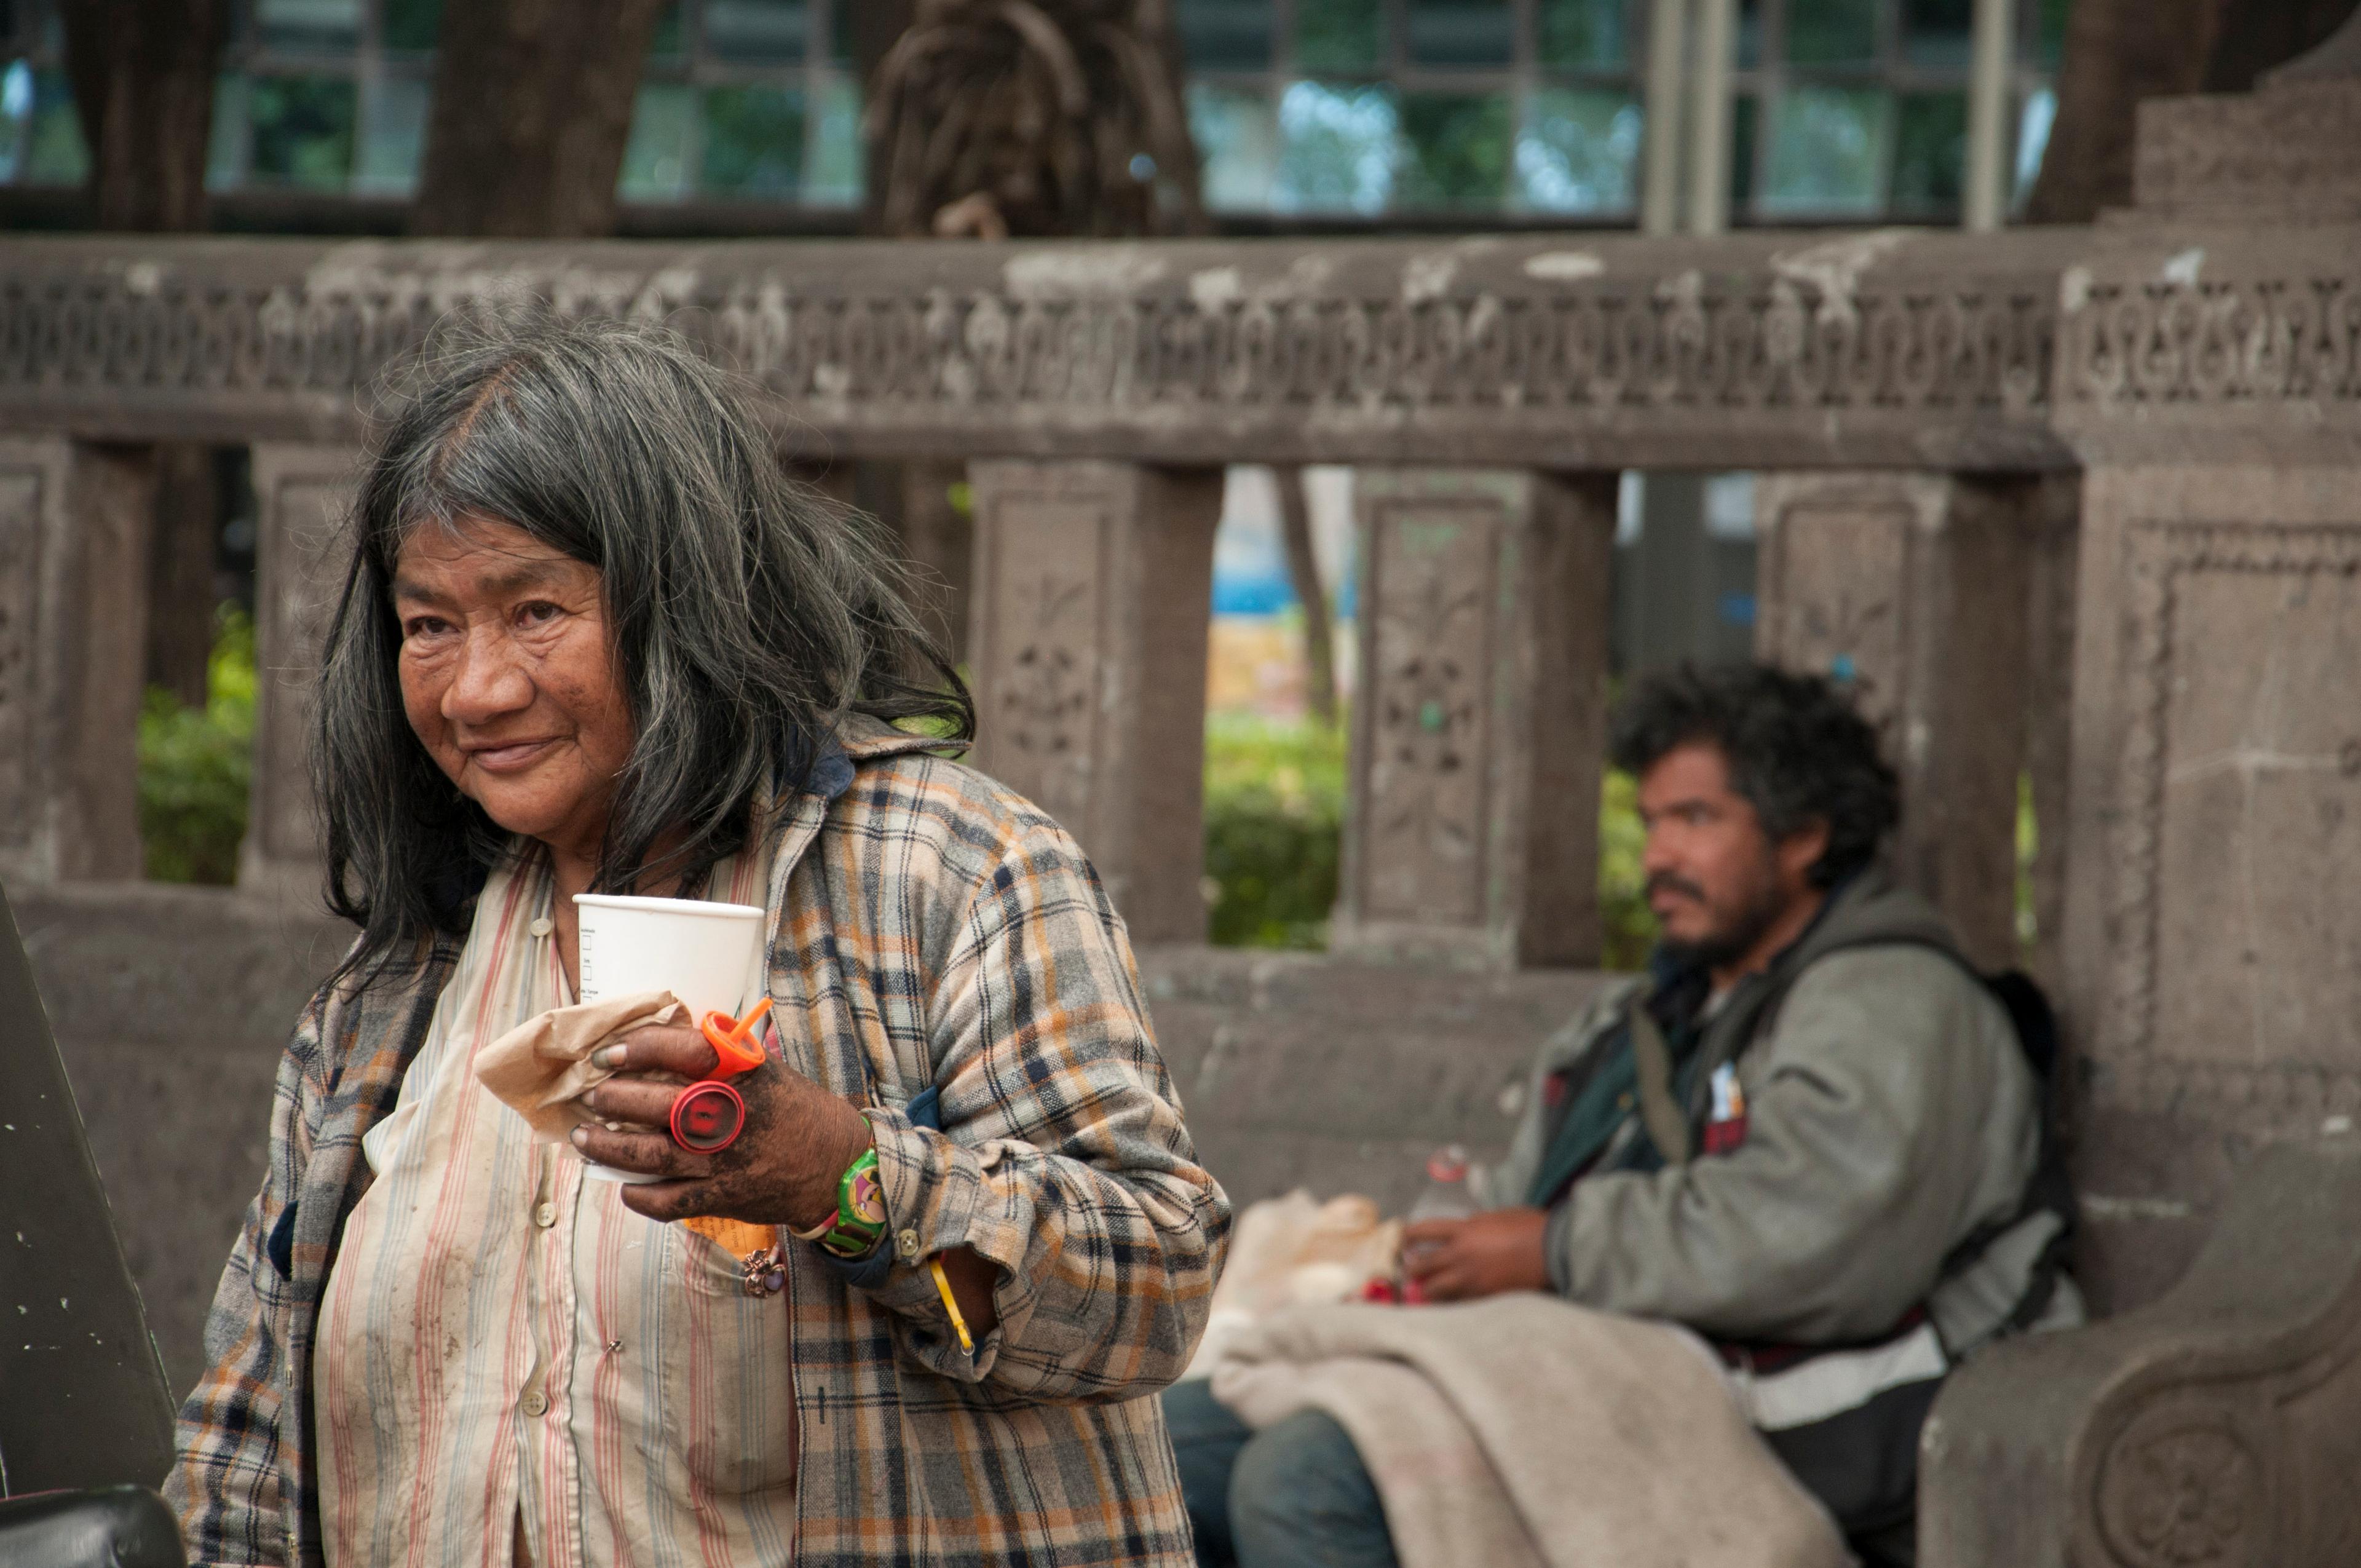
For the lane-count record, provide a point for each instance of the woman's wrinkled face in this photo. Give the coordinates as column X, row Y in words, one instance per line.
column 509, row 677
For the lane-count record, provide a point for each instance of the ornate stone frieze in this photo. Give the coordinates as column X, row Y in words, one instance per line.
column 855, row 342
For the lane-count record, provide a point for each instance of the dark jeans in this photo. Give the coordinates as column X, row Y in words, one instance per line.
column 1291, row 1496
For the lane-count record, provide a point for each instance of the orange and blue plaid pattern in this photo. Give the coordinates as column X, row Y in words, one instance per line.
column 928, row 928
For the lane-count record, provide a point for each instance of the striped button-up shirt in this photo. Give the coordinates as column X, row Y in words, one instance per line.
column 601, row 1383
column 927, row 928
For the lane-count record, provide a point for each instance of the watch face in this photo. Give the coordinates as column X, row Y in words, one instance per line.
column 868, row 1198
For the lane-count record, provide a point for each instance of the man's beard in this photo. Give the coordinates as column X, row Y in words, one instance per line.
column 1729, row 940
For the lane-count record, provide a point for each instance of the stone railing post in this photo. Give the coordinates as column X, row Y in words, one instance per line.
column 1092, row 597
column 1479, row 730
column 74, row 520
column 1915, row 589
column 301, row 494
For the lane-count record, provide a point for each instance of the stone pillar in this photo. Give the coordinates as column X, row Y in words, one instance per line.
column 74, row 519
column 1093, row 593
column 1478, row 729
column 1915, row 588
column 302, row 495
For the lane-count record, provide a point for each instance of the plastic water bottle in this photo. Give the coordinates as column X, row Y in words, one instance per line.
column 1448, row 1194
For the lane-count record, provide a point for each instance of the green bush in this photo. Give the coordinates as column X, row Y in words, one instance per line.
column 1274, row 820
column 195, row 764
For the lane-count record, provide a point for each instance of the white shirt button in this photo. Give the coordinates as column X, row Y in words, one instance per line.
column 536, row 1403
column 542, row 927
column 545, row 1215
column 908, row 1241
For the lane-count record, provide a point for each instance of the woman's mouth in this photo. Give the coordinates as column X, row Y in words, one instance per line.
column 509, row 756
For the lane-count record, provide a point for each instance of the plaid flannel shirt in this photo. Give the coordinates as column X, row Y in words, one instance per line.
column 927, row 927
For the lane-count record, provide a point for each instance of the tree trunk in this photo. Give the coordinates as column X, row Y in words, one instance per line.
column 143, row 84
column 1303, row 569
column 532, row 107
column 2121, row 52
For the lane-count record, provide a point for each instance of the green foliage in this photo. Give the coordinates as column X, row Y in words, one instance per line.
column 1274, row 821
column 1630, row 930
column 1456, row 148
column 1275, row 818
column 195, row 764
column 302, row 131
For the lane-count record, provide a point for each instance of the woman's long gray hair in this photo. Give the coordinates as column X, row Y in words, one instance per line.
column 748, row 614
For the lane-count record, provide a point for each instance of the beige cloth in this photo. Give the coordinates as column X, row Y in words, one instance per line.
column 1523, row 1432
column 540, row 1068
column 1295, row 1251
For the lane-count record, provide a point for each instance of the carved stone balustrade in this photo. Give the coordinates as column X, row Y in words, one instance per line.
column 2219, row 1426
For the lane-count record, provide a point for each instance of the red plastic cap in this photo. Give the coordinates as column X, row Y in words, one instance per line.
column 1447, row 1163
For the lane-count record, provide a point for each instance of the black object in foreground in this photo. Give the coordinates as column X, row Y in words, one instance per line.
column 82, row 1400
column 115, row 1526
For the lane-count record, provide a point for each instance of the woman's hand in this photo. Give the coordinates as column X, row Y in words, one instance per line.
column 784, row 1169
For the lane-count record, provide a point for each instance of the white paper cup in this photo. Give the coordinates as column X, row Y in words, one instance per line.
column 709, row 955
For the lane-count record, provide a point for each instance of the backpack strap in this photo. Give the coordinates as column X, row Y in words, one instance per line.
column 1652, row 1058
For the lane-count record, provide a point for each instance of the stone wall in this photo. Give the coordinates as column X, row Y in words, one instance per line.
column 171, row 1007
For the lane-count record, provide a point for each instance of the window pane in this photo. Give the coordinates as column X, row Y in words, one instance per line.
column 756, row 32
column 1931, row 154
column 1832, row 32
column 839, row 34
column 835, row 179
column 1828, row 151
column 2033, row 124
column 393, row 135
column 1461, row 32
column 303, row 130
column 15, row 117
column 1339, row 35
column 1938, row 33
column 655, row 158
column 1576, row 152
column 1238, row 143
column 308, row 23
column 1337, row 146
column 1226, row 34
column 55, row 155
column 1456, row 151
column 671, row 40
column 409, row 24
column 1749, row 34
column 226, row 146
column 753, row 142
column 1584, row 35
column 2048, row 34
column 1745, row 135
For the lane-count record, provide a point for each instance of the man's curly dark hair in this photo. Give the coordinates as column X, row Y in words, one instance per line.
column 1797, row 751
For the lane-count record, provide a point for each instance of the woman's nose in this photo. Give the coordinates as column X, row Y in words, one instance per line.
column 490, row 683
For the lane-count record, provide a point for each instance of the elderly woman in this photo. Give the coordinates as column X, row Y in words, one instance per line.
column 593, row 637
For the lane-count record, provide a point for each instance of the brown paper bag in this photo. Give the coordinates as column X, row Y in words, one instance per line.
column 541, row 1068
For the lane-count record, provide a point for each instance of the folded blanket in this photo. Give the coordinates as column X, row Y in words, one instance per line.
column 1523, row 1432
column 539, row 1069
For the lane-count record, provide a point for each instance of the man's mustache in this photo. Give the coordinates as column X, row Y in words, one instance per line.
column 1667, row 882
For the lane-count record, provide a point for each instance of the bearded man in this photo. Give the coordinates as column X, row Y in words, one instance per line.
column 1810, row 1134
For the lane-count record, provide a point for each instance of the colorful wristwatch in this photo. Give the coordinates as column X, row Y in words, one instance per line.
column 859, row 1223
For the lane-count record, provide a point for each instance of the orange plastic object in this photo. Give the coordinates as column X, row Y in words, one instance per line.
column 729, row 1039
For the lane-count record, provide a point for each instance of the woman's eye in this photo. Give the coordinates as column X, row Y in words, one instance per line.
column 538, row 611
column 422, row 626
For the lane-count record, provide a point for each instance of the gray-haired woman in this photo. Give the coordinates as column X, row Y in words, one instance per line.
column 594, row 638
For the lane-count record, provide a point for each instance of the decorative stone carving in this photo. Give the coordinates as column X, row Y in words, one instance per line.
column 73, row 557
column 1915, row 591
column 2242, row 793
column 303, row 495
column 1479, row 731
column 2218, row 1427
column 1183, row 347
column 1093, row 583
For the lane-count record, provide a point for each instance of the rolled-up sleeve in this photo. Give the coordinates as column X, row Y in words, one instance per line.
column 1061, row 1157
